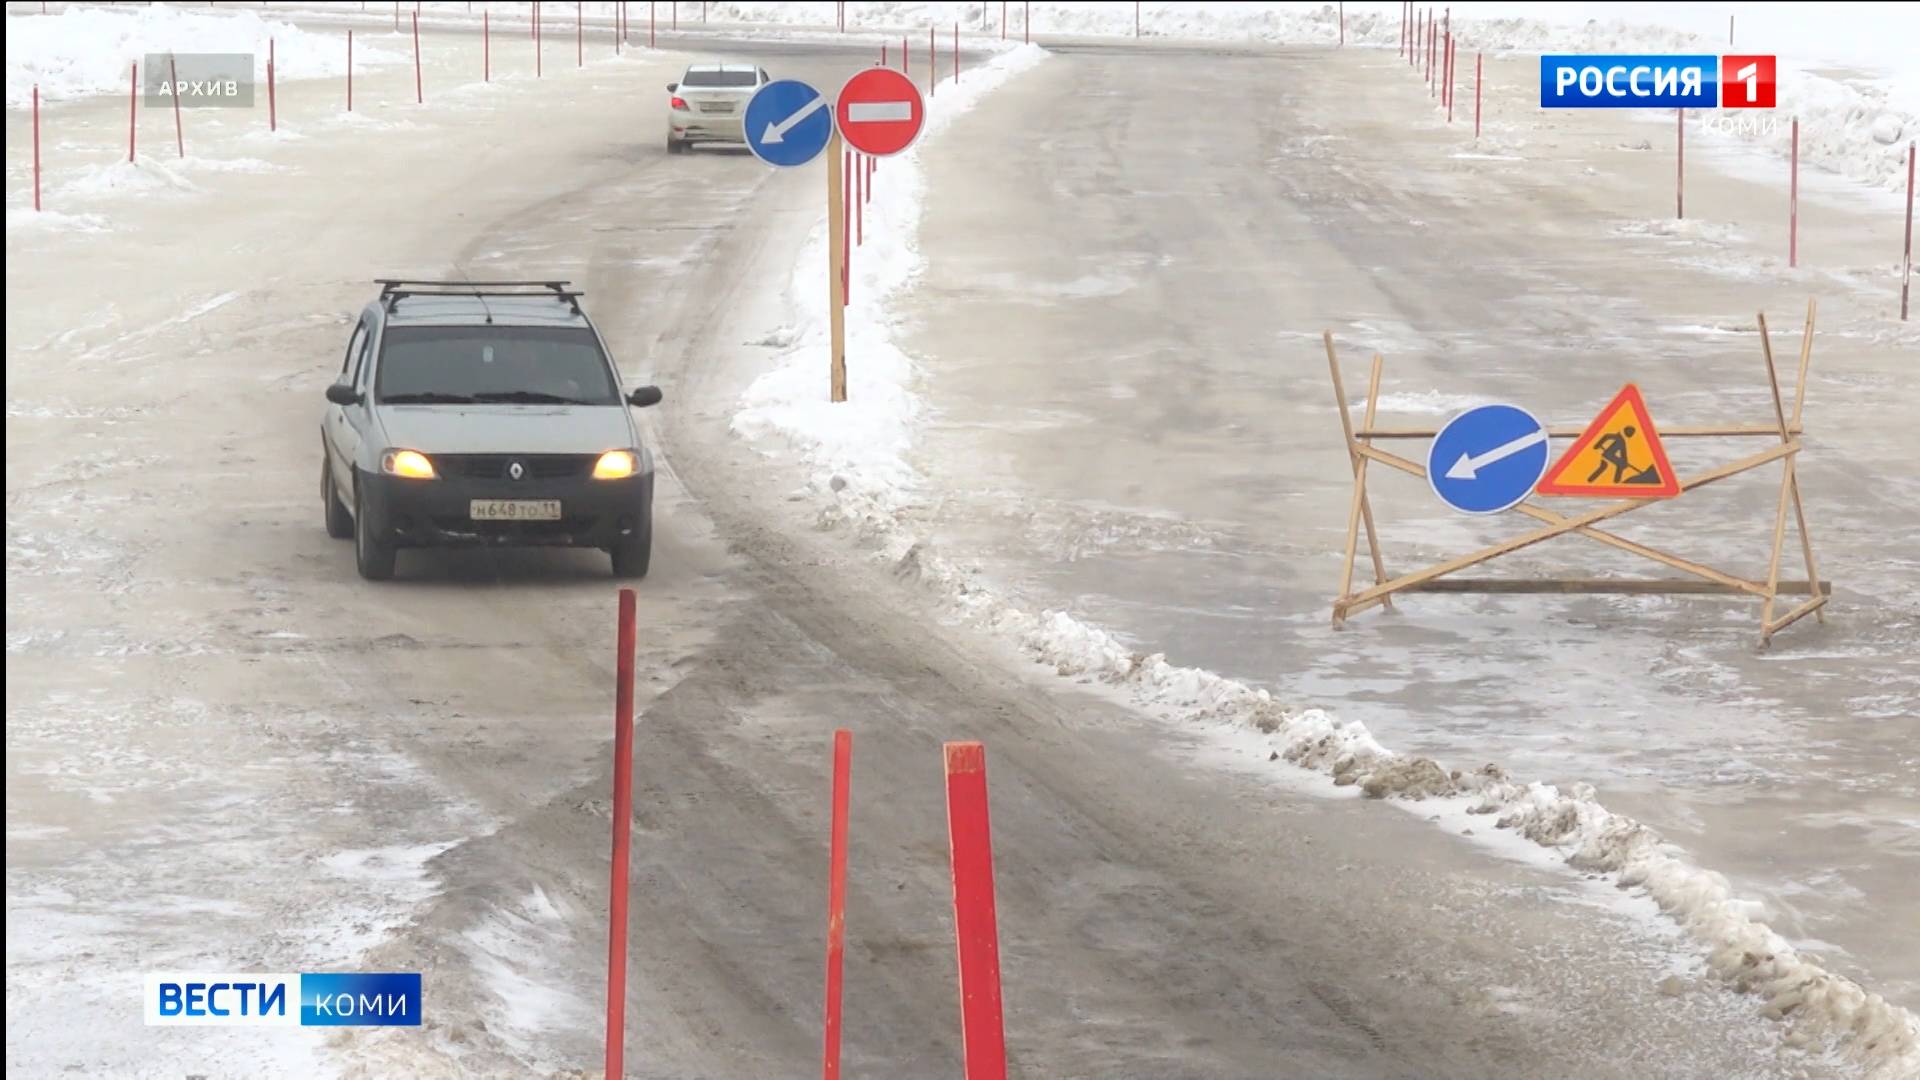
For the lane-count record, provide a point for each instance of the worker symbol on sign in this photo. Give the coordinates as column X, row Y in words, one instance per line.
column 1613, row 454
column 1606, row 460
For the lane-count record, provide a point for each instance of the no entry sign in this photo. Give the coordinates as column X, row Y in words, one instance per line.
column 880, row 112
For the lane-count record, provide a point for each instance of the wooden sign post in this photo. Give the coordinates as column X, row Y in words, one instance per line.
column 836, row 261
column 1785, row 427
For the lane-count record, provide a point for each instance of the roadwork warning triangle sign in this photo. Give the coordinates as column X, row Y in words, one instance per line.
column 1619, row 455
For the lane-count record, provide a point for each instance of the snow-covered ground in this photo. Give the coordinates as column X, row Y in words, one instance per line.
column 858, row 458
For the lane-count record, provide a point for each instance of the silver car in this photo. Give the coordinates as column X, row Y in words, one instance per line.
column 708, row 102
column 483, row 414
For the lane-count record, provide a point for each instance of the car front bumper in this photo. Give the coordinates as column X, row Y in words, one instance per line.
column 438, row 513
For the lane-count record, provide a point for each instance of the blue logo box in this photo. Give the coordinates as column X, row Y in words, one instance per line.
column 376, row 999
column 1629, row 81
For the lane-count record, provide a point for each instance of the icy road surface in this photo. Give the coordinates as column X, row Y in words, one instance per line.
column 1132, row 419
column 226, row 752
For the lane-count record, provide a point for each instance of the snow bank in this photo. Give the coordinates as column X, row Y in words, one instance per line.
column 857, row 471
column 88, row 50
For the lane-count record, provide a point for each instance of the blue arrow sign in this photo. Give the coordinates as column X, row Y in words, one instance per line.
column 1487, row 459
column 788, row 123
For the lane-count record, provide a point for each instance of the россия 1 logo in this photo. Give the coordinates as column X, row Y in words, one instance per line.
column 1633, row 81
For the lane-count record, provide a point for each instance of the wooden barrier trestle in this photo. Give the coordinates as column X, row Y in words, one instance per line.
column 1704, row 579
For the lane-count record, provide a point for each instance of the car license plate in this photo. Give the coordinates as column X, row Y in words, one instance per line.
column 514, row 509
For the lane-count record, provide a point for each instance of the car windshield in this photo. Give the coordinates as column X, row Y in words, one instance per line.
column 720, row 78
column 497, row 365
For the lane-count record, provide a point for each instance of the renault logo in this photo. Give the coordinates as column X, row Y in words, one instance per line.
column 517, row 471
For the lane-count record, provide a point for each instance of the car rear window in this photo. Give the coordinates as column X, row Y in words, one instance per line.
column 721, row 78
column 501, row 363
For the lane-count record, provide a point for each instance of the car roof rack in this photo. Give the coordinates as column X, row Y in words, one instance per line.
column 393, row 290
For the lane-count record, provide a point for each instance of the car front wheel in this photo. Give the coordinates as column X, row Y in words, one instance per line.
column 373, row 557
column 632, row 554
column 339, row 522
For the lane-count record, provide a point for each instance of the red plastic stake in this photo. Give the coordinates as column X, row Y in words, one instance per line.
column 273, row 118
column 419, row 92
column 1906, row 268
column 133, row 102
column 1479, row 59
column 1793, row 201
column 1680, row 164
column 837, row 899
column 179, row 133
column 982, row 1038
column 36, row 143
column 622, row 825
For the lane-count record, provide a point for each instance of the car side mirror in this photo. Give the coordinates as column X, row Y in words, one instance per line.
column 645, row 396
column 672, row 86
column 342, row 394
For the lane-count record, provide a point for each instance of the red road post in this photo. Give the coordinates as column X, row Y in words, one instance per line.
column 396, row 16
column 883, row 54
column 419, row 91
column 674, row 21
column 486, row 46
column 349, row 71
column 970, row 839
column 1793, row 200
column 933, row 61
column 133, row 103
column 622, row 826
column 179, row 133
column 653, row 24
column 836, row 899
column 36, row 143
column 1906, row 261
column 273, row 116
column 956, row 54
column 1450, row 59
column 579, row 33
column 1026, row 23
column 1680, row 164
column 906, row 62
column 1343, row 25
column 1003, row 20
column 537, row 73
column 1479, row 60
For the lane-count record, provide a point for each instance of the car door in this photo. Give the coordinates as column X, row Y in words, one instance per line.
column 346, row 423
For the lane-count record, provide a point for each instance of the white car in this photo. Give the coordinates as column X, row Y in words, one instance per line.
column 708, row 102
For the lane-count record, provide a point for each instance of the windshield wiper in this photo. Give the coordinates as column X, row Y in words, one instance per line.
column 431, row 397
column 528, row 397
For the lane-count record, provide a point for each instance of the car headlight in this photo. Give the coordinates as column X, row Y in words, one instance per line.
column 409, row 463
column 616, row 465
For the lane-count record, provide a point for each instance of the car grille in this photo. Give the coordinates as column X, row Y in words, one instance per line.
column 498, row 466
